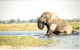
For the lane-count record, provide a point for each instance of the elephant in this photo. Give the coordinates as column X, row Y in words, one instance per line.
column 54, row 24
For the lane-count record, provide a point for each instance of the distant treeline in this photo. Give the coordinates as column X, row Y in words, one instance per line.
column 19, row 21
column 29, row 21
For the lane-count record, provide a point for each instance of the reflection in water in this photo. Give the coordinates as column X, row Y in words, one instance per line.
column 59, row 41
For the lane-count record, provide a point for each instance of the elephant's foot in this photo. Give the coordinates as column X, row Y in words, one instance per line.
column 47, row 34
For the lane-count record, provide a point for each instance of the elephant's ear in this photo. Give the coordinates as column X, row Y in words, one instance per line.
column 51, row 21
column 52, row 18
column 54, row 21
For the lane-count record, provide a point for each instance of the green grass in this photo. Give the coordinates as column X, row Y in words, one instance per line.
column 29, row 27
column 75, row 25
column 19, row 27
column 25, row 41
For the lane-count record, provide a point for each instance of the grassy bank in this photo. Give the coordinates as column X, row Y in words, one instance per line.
column 19, row 27
column 29, row 27
column 25, row 41
column 75, row 25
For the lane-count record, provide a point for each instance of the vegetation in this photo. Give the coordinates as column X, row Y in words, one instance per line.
column 19, row 27
column 28, row 27
column 19, row 21
column 30, row 21
column 25, row 41
column 75, row 25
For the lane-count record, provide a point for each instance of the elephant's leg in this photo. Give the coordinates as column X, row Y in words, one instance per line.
column 63, row 33
column 57, row 32
column 49, row 32
column 51, row 29
column 47, row 29
column 67, row 32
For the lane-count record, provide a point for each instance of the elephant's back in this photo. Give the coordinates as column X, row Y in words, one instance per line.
column 62, row 24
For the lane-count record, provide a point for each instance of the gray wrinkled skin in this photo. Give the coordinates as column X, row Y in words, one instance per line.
column 54, row 24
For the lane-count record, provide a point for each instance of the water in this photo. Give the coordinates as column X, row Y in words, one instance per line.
column 27, row 33
column 44, row 30
column 62, row 41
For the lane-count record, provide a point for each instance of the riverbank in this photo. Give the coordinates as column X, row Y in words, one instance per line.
column 38, row 41
column 21, row 42
column 29, row 27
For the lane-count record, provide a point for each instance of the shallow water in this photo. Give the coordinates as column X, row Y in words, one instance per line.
column 61, row 41
column 22, row 33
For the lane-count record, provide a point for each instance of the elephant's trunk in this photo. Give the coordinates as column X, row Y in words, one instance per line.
column 40, row 24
